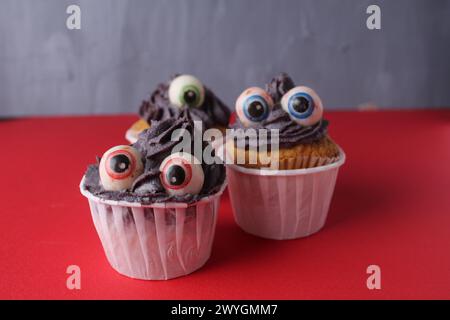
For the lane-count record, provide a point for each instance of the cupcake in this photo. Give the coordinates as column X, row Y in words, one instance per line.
column 155, row 210
column 281, row 177
column 296, row 115
column 182, row 92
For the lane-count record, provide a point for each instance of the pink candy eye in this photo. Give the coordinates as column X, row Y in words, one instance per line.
column 181, row 173
column 119, row 167
column 253, row 106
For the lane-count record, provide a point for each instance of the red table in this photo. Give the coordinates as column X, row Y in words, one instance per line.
column 391, row 208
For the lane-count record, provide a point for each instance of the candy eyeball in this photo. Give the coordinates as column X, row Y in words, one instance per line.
column 253, row 106
column 119, row 167
column 186, row 90
column 303, row 105
column 181, row 173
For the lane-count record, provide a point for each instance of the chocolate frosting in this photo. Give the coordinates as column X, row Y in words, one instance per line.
column 155, row 145
column 290, row 132
column 212, row 112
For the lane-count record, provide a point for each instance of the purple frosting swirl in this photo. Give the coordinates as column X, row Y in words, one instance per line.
column 155, row 145
column 212, row 112
column 290, row 132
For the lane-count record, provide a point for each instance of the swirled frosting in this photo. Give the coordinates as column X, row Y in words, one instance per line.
column 290, row 132
column 212, row 112
column 155, row 144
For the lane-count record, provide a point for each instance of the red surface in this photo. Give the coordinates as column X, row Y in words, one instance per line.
column 391, row 208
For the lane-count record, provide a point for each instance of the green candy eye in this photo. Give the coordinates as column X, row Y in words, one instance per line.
column 186, row 90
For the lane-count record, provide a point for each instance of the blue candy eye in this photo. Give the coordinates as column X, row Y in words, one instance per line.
column 303, row 105
column 253, row 106
column 256, row 108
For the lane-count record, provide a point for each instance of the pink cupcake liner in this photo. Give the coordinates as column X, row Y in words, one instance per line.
column 158, row 241
column 282, row 204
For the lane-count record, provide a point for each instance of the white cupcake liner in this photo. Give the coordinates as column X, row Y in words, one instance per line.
column 158, row 241
column 130, row 136
column 282, row 204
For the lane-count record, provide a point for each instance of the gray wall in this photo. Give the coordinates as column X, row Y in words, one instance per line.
column 125, row 47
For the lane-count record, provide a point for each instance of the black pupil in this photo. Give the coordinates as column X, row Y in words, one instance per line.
column 300, row 104
column 119, row 163
column 256, row 109
column 175, row 175
column 190, row 97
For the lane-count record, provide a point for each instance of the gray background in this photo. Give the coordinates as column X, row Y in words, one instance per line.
column 125, row 47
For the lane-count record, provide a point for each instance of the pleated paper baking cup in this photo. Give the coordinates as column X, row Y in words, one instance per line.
column 282, row 204
column 131, row 136
column 133, row 132
column 158, row 241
